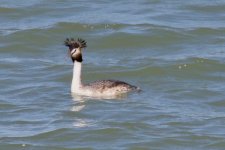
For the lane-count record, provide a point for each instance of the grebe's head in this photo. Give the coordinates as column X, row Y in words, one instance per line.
column 75, row 47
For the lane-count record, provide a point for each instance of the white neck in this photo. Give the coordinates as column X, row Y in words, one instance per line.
column 76, row 81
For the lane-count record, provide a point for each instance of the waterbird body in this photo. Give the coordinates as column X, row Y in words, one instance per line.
column 95, row 89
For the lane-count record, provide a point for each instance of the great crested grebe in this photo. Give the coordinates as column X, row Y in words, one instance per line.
column 95, row 89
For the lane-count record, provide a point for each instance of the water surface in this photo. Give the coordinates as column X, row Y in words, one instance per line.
column 174, row 50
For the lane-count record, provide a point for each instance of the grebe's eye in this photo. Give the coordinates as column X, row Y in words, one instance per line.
column 73, row 51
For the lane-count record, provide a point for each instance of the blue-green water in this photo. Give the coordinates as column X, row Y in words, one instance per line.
column 174, row 50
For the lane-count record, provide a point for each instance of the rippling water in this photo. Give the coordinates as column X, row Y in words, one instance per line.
column 174, row 50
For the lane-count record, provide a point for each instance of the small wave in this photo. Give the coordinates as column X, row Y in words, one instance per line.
column 20, row 4
column 77, row 108
column 207, row 31
column 7, row 10
column 215, row 8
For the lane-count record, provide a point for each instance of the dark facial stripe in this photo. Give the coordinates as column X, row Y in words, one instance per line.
column 73, row 52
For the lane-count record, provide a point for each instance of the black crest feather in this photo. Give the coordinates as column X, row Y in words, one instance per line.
column 71, row 43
